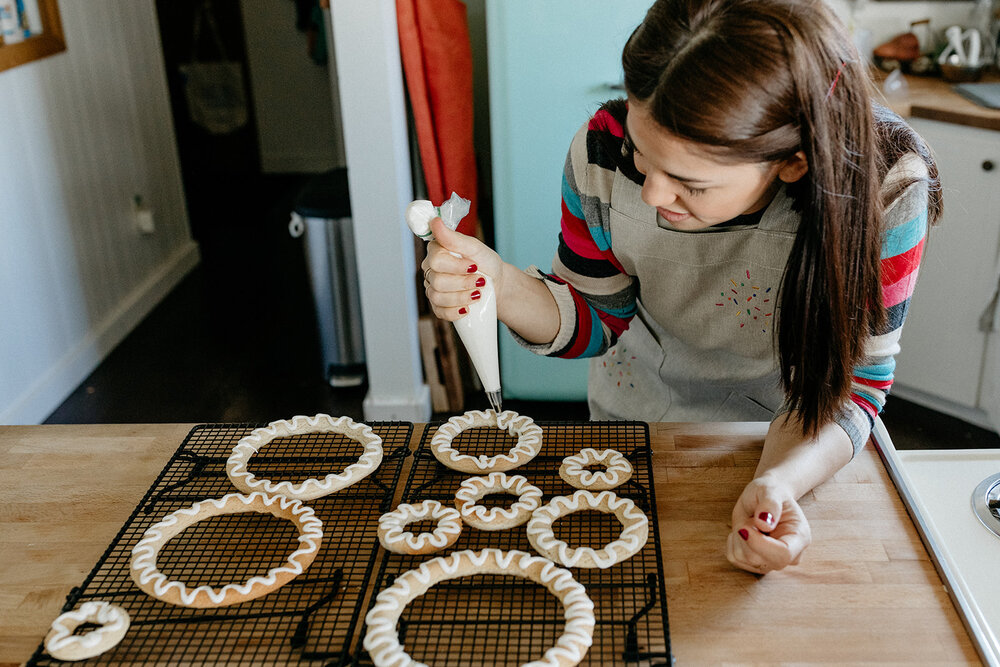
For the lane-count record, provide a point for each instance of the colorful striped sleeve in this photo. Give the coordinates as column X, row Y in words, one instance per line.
column 905, row 234
column 596, row 297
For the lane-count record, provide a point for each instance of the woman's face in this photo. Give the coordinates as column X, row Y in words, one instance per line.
column 689, row 188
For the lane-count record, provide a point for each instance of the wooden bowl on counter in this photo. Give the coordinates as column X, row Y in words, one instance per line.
column 961, row 73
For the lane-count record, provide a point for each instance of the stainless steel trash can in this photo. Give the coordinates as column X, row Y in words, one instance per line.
column 322, row 214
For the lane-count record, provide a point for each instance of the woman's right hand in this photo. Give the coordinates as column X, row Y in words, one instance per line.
column 453, row 283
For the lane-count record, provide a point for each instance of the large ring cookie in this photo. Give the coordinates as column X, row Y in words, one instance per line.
column 633, row 536
column 382, row 642
column 529, row 441
column 392, row 536
column 146, row 575
column 62, row 644
column 617, row 469
column 244, row 480
column 472, row 490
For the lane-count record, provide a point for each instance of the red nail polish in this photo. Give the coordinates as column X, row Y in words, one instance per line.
column 472, row 268
column 463, row 311
column 475, row 295
column 766, row 517
column 480, row 282
column 743, row 533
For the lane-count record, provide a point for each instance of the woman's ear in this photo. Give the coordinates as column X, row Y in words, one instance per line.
column 793, row 168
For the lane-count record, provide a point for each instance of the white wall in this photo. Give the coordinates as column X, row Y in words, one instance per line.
column 297, row 129
column 81, row 133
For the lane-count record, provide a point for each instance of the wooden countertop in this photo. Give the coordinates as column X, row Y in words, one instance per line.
column 865, row 591
column 933, row 98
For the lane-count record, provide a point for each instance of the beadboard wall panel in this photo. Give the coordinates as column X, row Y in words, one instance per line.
column 81, row 134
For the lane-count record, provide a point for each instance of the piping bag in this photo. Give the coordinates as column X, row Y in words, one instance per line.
column 478, row 329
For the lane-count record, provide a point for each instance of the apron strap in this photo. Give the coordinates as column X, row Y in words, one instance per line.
column 779, row 216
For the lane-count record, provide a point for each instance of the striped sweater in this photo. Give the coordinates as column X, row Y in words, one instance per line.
column 597, row 297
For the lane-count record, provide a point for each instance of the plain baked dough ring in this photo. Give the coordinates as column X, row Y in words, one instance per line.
column 382, row 642
column 617, row 469
column 472, row 490
column 633, row 536
column 62, row 644
column 244, row 480
column 392, row 536
column 528, row 433
column 147, row 577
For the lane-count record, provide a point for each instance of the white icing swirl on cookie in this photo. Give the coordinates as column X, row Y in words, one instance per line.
column 369, row 461
column 617, row 469
column 393, row 537
column 382, row 642
column 152, row 581
column 497, row 518
column 632, row 538
column 62, row 644
column 529, row 441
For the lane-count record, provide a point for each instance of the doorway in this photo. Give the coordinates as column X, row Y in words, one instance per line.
column 218, row 169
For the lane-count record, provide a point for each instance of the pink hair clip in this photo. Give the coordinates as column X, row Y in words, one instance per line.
column 836, row 79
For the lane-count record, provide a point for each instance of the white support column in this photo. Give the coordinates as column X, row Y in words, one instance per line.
column 373, row 109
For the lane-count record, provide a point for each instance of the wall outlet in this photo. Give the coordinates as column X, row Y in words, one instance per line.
column 143, row 216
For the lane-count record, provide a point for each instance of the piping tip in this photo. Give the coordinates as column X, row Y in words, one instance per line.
column 496, row 402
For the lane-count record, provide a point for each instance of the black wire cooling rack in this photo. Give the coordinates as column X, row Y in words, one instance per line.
column 496, row 620
column 311, row 620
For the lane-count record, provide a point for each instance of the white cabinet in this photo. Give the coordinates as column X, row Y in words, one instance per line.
column 941, row 362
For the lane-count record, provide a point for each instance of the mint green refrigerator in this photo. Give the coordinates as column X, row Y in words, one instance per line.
column 551, row 63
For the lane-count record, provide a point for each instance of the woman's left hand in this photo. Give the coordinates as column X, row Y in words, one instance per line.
column 770, row 530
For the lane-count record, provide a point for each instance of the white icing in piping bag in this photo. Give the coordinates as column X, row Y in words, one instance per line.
column 478, row 329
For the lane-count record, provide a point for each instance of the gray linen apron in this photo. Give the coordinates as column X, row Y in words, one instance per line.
column 702, row 346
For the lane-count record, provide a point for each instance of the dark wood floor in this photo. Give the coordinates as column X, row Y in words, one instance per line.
column 236, row 342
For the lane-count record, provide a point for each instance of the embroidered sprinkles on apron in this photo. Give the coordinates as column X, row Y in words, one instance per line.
column 618, row 366
column 751, row 303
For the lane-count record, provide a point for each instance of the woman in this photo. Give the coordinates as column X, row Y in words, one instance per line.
column 740, row 239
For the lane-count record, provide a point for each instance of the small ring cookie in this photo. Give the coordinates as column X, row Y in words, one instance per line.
column 382, row 642
column 244, row 480
column 529, row 441
column 529, row 498
column 617, row 469
column 392, row 536
column 147, row 577
column 62, row 644
column 633, row 536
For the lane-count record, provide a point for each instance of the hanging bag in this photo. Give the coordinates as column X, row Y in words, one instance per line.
column 216, row 97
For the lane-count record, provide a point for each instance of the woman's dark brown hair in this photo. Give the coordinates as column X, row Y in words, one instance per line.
column 758, row 81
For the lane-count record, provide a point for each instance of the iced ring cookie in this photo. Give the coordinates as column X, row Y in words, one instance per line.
column 392, row 536
column 528, row 433
column 472, row 490
column 369, row 461
column 617, row 469
column 633, row 537
column 62, row 644
column 147, row 577
column 382, row 641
